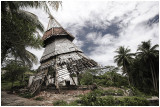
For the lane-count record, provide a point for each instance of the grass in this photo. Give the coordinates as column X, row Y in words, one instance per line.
column 60, row 103
column 26, row 95
column 107, row 98
column 6, row 86
column 64, row 103
column 39, row 98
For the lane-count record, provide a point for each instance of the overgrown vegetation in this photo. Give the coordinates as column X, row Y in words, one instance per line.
column 7, row 86
column 16, row 75
column 60, row 103
column 110, row 77
column 39, row 98
column 20, row 29
column 142, row 70
column 26, row 95
column 98, row 98
column 139, row 71
column 64, row 103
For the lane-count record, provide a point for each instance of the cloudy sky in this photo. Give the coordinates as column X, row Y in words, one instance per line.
column 100, row 27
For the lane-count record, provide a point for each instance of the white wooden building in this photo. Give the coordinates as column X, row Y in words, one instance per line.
column 61, row 57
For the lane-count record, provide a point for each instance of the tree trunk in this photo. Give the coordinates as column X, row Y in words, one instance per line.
column 156, row 81
column 12, row 85
column 153, row 75
column 154, row 85
column 125, row 69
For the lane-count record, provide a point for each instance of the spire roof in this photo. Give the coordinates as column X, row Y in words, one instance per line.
column 55, row 29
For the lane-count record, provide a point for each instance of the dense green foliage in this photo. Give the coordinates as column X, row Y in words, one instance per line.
column 98, row 98
column 26, row 95
column 39, row 98
column 17, row 75
column 93, row 99
column 140, row 70
column 60, row 103
column 15, row 72
column 109, row 78
column 64, row 103
column 87, row 79
column 20, row 29
column 143, row 69
column 7, row 86
column 124, row 59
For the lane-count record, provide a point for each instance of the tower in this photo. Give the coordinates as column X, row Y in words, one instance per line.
column 61, row 58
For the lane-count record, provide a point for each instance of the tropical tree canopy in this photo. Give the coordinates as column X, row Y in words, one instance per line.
column 149, row 55
column 143, row 69
column 124, row 57
column 20, row 29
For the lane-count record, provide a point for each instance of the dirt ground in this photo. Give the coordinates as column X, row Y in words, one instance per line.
column 14, row 100
column 48, row 98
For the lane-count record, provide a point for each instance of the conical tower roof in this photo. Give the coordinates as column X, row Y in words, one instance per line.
column 54, row 29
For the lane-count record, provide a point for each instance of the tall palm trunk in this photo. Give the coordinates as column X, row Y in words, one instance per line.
column 154, row 83
column 125, row 69
column 153, row 76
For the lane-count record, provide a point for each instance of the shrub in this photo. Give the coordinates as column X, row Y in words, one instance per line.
column 136, row 92
column 132, row 101
column 120, row 92
column 89, row 99
column 109, row 92
column 95, row 99
column 60, row 103
column 109, row 83
column 74, row 103
column 39, row 98
column 98, row 92
column 108, row 101
column 26, row 95
column 87, row 79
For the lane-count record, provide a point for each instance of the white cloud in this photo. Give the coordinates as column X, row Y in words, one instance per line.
column 129, row 16
column 78, row 43
column 91, row 36
column 131, row 36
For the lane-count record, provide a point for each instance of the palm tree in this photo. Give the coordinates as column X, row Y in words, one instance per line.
column 19, row 31
column 124, row 59
column 20, row 27
column 149, row 54
column 15, row 6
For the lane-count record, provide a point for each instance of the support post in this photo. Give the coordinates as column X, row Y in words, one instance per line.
column 73, row 80
column 56, row 77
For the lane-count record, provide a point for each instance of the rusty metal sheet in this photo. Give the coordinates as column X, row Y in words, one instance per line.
column 56, row 31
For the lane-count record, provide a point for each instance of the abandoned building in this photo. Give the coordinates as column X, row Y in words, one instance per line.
column 62, row 61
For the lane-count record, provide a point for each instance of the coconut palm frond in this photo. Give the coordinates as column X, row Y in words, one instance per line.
column 43, row 5
column 55, row 4
column 31, row 18
column 154, row 47
column 31, row 56
column 35, row 42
